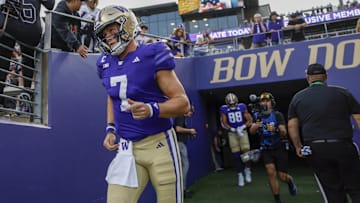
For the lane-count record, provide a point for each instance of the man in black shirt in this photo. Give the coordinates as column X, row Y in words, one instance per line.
column 182, row 133
column 297, row 24
column 65, row 33
column 323, row 113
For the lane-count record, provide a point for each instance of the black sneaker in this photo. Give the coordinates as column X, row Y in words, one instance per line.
column 292, row 188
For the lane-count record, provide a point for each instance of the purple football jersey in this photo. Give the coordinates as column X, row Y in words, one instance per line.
column 235, row 117
column 134, row 78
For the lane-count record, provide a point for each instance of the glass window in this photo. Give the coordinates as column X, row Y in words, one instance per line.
column 153, row 28
column 213, row 24
column 162, row 16
column 153, row 18
column 223, row 22
column 162, row 28
column 145, row 19
column 170, row 16
column 232, row 21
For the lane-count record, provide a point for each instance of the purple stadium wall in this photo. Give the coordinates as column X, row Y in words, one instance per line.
column 66, row 163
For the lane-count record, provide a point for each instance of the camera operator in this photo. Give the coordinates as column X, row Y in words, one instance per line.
column 270, row 125
column 323, row 114
column 235, row 118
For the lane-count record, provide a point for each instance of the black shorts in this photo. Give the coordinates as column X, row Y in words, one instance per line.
column 277, row 156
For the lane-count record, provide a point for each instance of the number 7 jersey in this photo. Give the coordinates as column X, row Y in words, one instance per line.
column 234, row 116
column 134, row 78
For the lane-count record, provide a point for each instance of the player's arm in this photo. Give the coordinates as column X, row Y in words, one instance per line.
column 262, row 25
column 177, row 103
column 282, row 125
column 183, row 130
column 109, row 141
column 294, row 134
column 223, row 120
column 248, row 118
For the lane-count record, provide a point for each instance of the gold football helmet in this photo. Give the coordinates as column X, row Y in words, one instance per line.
column 231, row 100
column 128, row 28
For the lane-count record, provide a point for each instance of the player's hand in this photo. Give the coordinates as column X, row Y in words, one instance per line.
column 233, row 130
column 139, row 110
column 109, row 142
column 82, row 50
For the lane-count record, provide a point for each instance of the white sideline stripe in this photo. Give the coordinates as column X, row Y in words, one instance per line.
column 174, row 151
column 321, row 188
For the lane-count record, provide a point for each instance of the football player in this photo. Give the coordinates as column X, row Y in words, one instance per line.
column 23, row 24
column 143, row 94
column 236, row 118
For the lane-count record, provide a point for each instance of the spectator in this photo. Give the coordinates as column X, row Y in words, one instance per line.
column 296, row 24
column 88, row 11
column 181, row 41
column 65, row 33
column 258, row 31
column 183, row 131
column 357, row 29
column 201, row 47
column 141, row 38
column 13, row 78
column 26, row 29
column 275, row 26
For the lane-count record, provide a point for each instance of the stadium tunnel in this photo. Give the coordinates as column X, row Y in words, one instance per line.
column 214, row 98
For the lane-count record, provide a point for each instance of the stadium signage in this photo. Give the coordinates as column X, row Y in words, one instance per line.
column 248, row 66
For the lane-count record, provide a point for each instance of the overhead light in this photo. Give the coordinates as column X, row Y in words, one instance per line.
column 194, row 21
column 205, row 19
column 196, row 26
column 172, row 24
column 206, row 24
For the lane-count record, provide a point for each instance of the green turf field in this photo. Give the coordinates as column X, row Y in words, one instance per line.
column 221, row 187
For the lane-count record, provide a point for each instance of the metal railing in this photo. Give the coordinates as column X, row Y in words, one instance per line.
column 35, row 112
column 243, row 42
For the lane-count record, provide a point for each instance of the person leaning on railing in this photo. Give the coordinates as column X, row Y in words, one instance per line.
column 258, row 30
column 297, row 24
column 65, row 30
column 357, row 30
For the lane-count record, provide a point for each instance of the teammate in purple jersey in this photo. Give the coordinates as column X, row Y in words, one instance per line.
column 235, row 118
column 143, row 94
